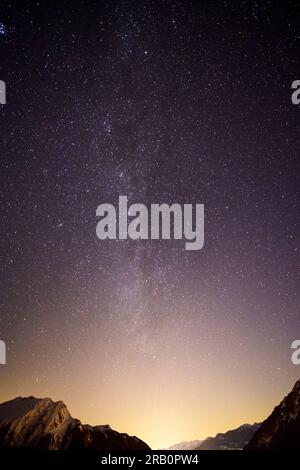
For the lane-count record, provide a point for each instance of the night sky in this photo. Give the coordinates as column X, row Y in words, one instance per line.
column 162, row 101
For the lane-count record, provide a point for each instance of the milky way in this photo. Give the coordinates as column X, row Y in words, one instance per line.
column 181, row 102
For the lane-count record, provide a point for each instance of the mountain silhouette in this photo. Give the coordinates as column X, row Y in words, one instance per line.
column 281, row 430
column 43, row 424
column 235, row 439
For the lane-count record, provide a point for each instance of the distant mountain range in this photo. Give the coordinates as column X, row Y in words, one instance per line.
column 46, row 425
column 281, row 430
column 235, row 439
column 230, row 440
column 42, row 424
column 185, row 445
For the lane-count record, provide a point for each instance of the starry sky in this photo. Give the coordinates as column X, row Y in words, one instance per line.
column 168, row 101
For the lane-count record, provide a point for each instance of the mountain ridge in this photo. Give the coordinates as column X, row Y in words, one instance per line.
column 234, row 439
column 41, row 423
column 281, row 430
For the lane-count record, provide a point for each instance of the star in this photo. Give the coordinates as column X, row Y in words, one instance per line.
column 2, row 29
